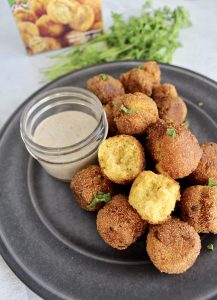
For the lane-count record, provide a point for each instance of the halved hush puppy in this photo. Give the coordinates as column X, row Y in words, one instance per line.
column 83, row 19
column 27, row 31
column 48, row 27
column 23, row 15
column 207, row 167
column 96, row 5
column 121, row 158
column 173, row 148
column 199, row 208
column 133, row 113
column 118, row 223
column 154, row 196
column 39, row 7
column 173, row 247
column 105, row 87
column 89, row 183
column 62, row 11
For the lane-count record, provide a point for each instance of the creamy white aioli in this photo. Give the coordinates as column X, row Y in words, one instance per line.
column 64, row 129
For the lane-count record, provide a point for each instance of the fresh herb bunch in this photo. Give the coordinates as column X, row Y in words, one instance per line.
column 153, row 35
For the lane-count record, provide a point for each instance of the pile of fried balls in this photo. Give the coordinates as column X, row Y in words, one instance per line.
column 137, row 188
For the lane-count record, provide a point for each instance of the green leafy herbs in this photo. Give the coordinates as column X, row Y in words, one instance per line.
column 126, row 110
column 171, row 132
column 200, row 103
column 153, row 35
column 186, row 123
column 211, row 182
column 99, row 197
column 105, row 77
column 210, row 247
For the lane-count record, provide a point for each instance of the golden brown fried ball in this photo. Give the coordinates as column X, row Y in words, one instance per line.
column 97, row 25
column 36, row 45
column 110, row 118
column 88, row 181
column 164, row 90
column 83, row 19
column 96, row 5
column 170, row 106
column 73, row 37
column 173, row 148
column 142, row 79
column 27, row 31
column 173, row 247
column 23, row 15
column 48, row 27
column 52, row 44
column 62, row 11
column 152, row 68
column 121, row 158
column 154, row 196
column 207, row 167
column 199, row 208
column 118, row 223
column 133, row 113
column 39, row 7
column 105, row 87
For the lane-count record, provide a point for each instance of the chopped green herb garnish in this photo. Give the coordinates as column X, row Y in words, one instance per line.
column 99, row 197
column 210, row 247
column 154, row 35
column 105, row 76
column 200, row 103
column 211, row 182
column 186, row 123
column 171, row 132
column 126, row 110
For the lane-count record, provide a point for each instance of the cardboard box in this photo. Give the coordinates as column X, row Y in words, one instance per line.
column 47, row 25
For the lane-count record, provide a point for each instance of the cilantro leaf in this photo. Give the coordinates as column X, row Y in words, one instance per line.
column 126, row 110
column 105, row 77
column 210, row 247
column 211, row 182
column 171, row 132
column 186, row 123
column 99, row 197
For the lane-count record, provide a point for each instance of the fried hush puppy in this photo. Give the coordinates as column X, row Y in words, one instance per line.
column 174, row 149
column 141, row 79
column 39, row 7
column 96, row 6
column 118, row 223
column 133, row 113
column 83, row 19
column 170, row 106
column 173, row 247
column 23, row 15
column 121, row 158
column 48, row 27
column 27, row 31
column 105, row 87
column 113, row 130
column 87, row 183
column 207, row 167
column 199, row 208
column 62, row 11
column 154, row 196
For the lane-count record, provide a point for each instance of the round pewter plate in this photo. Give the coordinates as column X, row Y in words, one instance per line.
column 53, row 246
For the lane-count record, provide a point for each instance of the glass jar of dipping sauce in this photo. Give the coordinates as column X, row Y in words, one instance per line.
column 62, row 128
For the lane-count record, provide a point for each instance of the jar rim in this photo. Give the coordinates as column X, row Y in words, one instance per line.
column 54, row 94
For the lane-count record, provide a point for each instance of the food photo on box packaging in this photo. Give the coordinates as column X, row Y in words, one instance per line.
column 108, row 149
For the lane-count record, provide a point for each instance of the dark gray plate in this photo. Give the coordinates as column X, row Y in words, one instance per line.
column 53, row 245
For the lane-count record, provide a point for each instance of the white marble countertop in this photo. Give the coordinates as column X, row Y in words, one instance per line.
column 20, row 76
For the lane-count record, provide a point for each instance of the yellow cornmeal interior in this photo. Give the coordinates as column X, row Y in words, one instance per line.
column 120, row 157
column 154, row 196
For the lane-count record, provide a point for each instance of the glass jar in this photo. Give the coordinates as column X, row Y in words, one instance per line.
column 63, row 162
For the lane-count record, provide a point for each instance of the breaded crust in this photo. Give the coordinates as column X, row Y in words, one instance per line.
column 153, row 69
column 164, row 90
column 112, row 130
column 154, row 196
column 199, row 208
column 121, row 158
column 178, row 155
column 88, row 181
column 118, row 223
column 207, row 167
column 141, row 112
column 173, row 246
column 105, row 87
